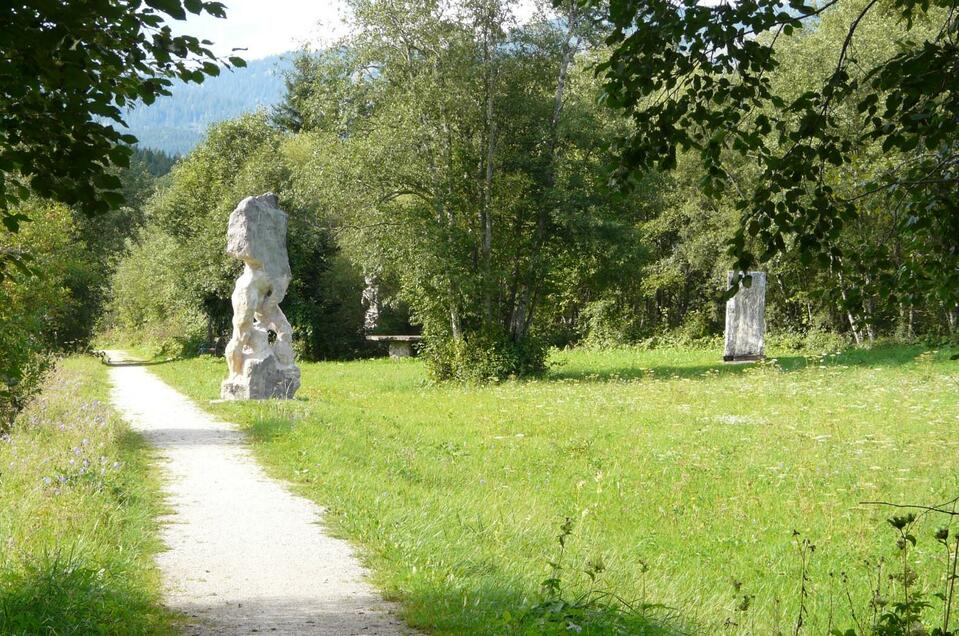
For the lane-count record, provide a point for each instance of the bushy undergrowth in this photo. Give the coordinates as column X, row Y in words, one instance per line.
column 902, row 604
column 44, row 305
column 146, row 306
column 77, row 503
column 484, row 356
column 25, row 373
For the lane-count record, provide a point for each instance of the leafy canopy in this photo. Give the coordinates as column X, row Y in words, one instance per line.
column 698, row 77
column 67, row 72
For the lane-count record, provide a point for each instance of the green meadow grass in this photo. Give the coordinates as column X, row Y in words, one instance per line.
column 77, row 508
column 685, row 478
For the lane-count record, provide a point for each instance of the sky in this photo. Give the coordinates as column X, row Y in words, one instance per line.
column 269, row 27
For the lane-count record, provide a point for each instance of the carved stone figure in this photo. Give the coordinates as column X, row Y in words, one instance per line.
column 260, row 353
column 746, row 320
column 371, row 300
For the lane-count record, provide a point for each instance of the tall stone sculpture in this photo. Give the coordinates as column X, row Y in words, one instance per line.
column 746, row 320
column 371, row 300
column 260, row 353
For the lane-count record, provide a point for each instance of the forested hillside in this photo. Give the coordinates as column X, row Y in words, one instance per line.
column 177, row 123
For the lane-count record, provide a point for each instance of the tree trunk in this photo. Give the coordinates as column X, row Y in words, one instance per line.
column 856, row 334
column 524, row 310
column 456, row 325
column 487, row 213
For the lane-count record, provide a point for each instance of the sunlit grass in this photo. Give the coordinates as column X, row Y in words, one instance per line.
column 77, row 508
column 682, row 475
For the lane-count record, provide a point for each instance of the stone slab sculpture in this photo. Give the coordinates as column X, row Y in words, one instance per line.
column 260, row 352
column 746, row 319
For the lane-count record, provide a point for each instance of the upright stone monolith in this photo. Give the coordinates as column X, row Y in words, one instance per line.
column 746, row 319
column 260, row 366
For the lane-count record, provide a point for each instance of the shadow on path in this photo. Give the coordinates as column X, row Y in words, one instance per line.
column 118, row 358
column 284, row 615
column 136, row 363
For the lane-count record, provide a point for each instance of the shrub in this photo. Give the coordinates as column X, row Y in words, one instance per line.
column 605, row 325
column 820, row 341
column 39, row 307
column 146, row 306
column 484, row 356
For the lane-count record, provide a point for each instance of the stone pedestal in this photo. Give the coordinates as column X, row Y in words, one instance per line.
column 262, row 379
column 400, row 350
column 746, row 320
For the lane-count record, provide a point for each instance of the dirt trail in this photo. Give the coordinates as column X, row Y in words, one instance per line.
column 245, row 555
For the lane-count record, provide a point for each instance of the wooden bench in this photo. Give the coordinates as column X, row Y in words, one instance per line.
column 400, row 346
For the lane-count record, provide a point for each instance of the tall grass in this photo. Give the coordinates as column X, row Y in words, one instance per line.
column 77, row 508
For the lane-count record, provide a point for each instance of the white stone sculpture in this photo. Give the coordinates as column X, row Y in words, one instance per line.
column 259, row 368
column 746, row 320
column 371, row 300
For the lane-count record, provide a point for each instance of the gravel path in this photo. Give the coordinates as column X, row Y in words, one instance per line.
column 245, row 555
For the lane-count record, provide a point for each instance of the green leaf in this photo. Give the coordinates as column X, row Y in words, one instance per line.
column 173, row 8
column 216, row 9
column 12, row 221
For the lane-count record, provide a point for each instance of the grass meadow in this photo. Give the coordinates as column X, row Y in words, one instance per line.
column 685, row 481
column 77, row 506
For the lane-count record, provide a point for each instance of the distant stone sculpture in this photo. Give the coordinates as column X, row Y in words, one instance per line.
column 746, row 320
column 260, row 353
column 371, row 300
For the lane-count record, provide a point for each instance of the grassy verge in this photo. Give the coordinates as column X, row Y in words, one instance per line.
column 77, row 508
column 684, row 479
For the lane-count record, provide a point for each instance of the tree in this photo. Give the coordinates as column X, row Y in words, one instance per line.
column 67, row 71
column 699, row 77
column 468, row 174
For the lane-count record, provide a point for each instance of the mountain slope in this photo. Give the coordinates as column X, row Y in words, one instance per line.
column 177, row 123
